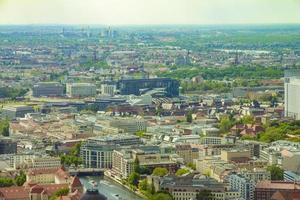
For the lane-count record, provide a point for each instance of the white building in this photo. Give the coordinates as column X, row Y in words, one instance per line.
column 81, row 90
column 108, row 89
column 292, row 97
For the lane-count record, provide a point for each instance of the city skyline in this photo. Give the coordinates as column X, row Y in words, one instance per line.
column 137, row 12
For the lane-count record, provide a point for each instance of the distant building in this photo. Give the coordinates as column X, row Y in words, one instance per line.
column 187, row 152
column 292, row 94
column 14, row 112
column 97, row 152
column 108, row 89
column 141, row 86
column 7, row 146
column 81, row 89
column 129, row 125
column 48, row 89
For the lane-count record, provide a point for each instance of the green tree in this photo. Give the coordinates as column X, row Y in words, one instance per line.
column 6, row 182
column 226, row 124
column 143, row 185
column 203, row 195
column 4, row 128
column 160, row 171
column 59, row 193
column 248, row 119
column 181, row 172
column 276, row 172
column 20, row 179
column 189, row 117
column 134, row 178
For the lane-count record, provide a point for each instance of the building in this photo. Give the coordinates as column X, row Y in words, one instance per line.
column 141, row 86
column 7, row 146
column 14, row 112
column 30, row 161
column 187, row 152
column 108, row 89
column 81, row 90
column 41, row 184
column 235, row 154
column 292, row 94
column 48, row 89
column 129, row 125
column 122, row 163
column 264, row 190
column 187, row 187
column 244, row 185
column 290, row 176
column 96, row 156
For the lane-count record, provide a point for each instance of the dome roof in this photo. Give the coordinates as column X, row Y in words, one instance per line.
column 93, row 195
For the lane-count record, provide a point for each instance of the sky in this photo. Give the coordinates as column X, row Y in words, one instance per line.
column 143, row 12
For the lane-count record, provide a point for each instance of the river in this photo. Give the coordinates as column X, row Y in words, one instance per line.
column 110, row 189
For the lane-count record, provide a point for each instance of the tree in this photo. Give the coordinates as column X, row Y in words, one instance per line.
column 248, row 119
column 203, row 195
column 4, row 128
column 191, row 165
column 20, row 179
column 189, row 117
column 160, row 171
column 143, row 185
column 59, row 193
column 6, row 182
column 226, row 123
column 136, row 166
column 134, row 178
column 181, row 172
column 276, row 172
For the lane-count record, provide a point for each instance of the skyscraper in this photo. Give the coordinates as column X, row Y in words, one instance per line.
column 292, row 94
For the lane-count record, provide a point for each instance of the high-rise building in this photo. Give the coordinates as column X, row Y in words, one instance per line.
column 292, row 94
column 81, row 90
column 141, row 86
column 242, row 184
column 49, row 89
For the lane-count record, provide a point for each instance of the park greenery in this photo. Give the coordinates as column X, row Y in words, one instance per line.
column 12, row 93
column 73, row 157
column 19, row 180
column 4, row 127
column 228, row 73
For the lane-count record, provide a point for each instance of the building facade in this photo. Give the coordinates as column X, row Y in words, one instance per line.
column 80, row 90
column 48, row 89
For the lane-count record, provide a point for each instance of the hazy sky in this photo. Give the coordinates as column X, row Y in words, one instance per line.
column 114, row 12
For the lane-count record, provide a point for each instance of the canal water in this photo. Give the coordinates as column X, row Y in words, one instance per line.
column 110, row 189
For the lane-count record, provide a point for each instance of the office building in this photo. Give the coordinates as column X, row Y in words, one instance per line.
column 129, row 125
column 14, row 112
column 244, row 185
column 108, row 89
column 48, row 89
column 80, row 90
column 187, row 152
column 292, row 94
column 7, row 146
column 141, row 86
